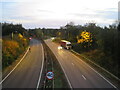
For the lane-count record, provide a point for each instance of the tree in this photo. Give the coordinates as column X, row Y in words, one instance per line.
column 11, row 28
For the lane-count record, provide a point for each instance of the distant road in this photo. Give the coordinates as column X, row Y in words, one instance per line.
column 27, row 74
column 79, row 74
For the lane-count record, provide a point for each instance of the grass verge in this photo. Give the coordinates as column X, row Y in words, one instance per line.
column 52, row 64
column 6, row 70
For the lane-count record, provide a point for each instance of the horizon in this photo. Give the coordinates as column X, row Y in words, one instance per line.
column 58, row 27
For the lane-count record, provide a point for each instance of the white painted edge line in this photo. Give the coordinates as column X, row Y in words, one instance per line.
column 41, row 69
column 66, row 75
column 14, row 67
column 83, row 77
column 96, row 71
column 64, row 72
column 98, row 66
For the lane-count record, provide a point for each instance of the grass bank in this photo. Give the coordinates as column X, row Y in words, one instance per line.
column 12, row 48
column 51, row 64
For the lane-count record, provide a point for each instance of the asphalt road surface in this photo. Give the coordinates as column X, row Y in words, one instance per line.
column 79, row 74
column 27, row 73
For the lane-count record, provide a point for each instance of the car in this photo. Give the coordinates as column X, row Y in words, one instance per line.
column 59, row 47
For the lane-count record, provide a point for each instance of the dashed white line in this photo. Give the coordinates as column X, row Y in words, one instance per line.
column 83, row 77
column 41, row 68
column 95, row 71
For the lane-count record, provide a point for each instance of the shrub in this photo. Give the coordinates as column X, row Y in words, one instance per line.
column 9, row 52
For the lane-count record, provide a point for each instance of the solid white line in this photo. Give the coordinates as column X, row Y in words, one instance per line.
column 14, row 67
column 95, row 71
column 83, row 77
column 103, row 77
column 98, row 66
column 64, row 72
column 41, row 68
column 65, row 75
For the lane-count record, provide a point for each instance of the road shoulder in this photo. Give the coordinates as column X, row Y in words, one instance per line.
column 103, row 73
column 8, row 69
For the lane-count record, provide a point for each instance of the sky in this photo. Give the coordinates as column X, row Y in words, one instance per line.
column 56, row 13
column 119, row 11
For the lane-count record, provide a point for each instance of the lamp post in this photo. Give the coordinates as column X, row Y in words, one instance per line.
column 12, row 35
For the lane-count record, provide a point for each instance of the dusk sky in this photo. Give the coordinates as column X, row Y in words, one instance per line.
column 56, row 13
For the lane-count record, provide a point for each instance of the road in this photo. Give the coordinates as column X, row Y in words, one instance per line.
column 27, row 73
column 79, row 74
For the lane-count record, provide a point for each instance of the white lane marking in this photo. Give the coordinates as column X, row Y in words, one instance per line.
column 95, row 71
column 66, row 75
column 41, row 68
column 63, row 71
column 72, row 64
column 15, row 67
column 83, row 77
column 98, row 66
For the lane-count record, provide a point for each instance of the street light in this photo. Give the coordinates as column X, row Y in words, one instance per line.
column 12, row 35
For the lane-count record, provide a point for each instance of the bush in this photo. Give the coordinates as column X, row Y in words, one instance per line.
column 57, row 40
column 11, row 50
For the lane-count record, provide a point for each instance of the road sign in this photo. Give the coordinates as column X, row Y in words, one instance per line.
column 50, row 75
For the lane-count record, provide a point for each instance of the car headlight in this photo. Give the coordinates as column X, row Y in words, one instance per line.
column 59, row 47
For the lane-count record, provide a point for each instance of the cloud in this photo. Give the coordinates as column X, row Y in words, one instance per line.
column 119, row 11
column 18, row 0
column 45, row 11
column 0, row 11
column 53, row 13
column 110, row 13
column 16, row 21
column 106, row 17
column 46, row 24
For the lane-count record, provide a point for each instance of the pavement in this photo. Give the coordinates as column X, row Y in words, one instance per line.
column 79, row 74
column 27, row 73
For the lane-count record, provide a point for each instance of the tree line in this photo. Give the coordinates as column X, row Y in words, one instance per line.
column 100, row 44
column 14, row 42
